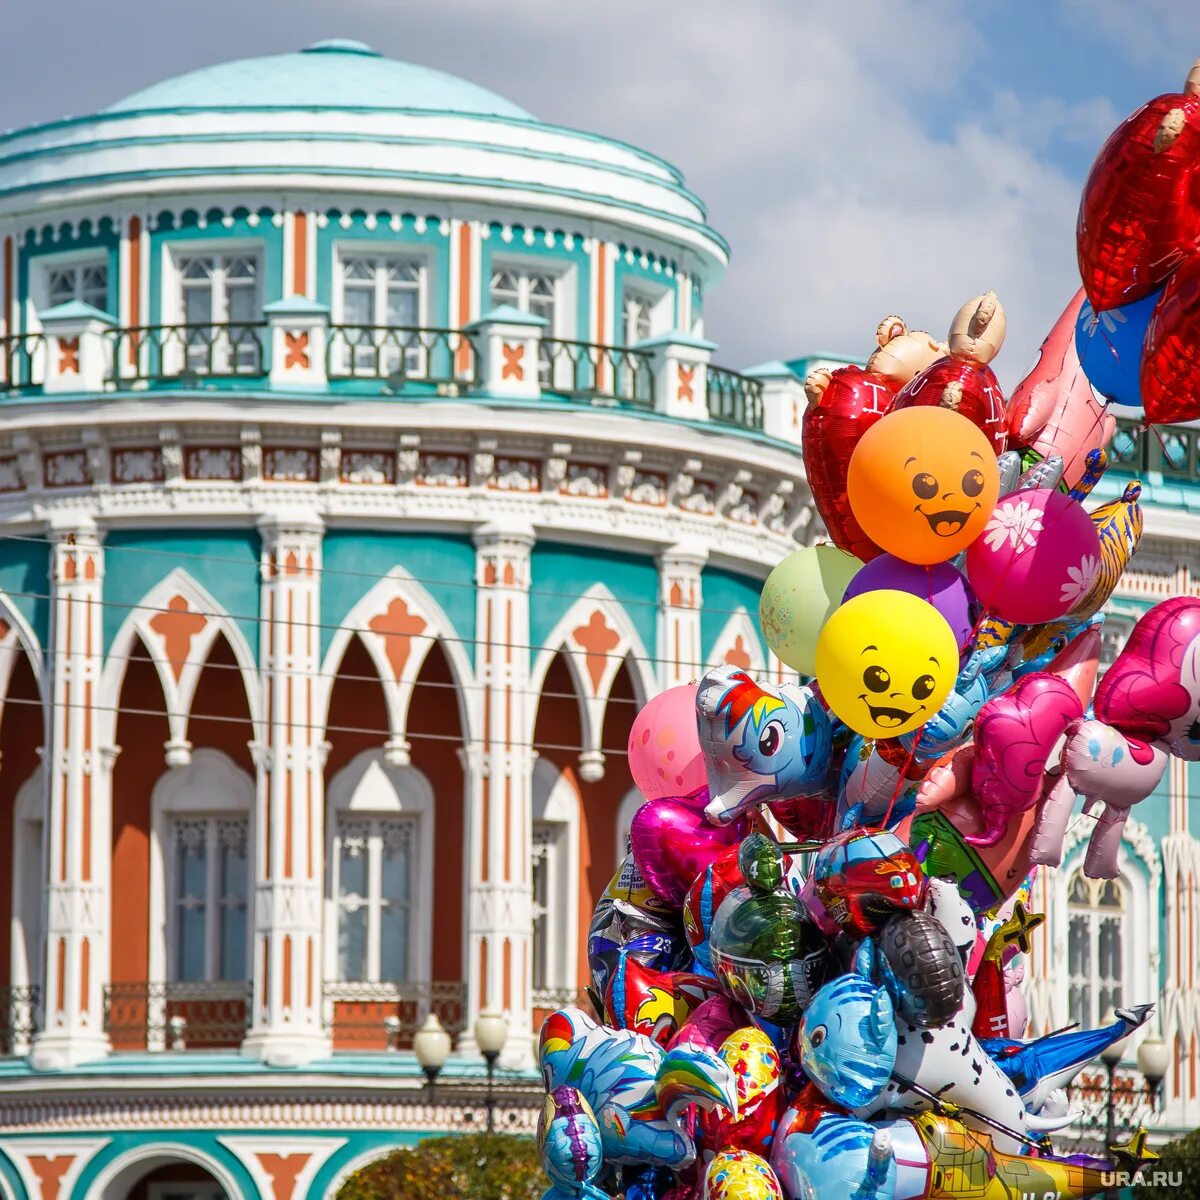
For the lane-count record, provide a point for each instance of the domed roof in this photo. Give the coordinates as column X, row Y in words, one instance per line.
column 332, row 74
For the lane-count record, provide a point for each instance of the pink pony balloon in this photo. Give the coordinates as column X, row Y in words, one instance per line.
column 1054, row 410
column 1014, row 735
column 664, row 747
column 1152, row 691
column 672, row 843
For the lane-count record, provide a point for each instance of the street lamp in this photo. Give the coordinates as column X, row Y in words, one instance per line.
column 1153, row 1059
column 491, row 1032
column 1110, row 1056
column 431, row 1044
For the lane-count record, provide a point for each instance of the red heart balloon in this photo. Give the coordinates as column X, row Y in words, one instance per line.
column 1139, row 215
column 672, row 843
column 853, row 401
column 967, row 387
column 1170, row 372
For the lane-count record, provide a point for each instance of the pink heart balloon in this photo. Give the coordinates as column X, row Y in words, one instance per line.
column 672, row 843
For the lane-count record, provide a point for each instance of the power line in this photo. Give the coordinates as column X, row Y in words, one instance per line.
column 125, row 710
column 341, row 571
column 323, row 625
column 207, row 665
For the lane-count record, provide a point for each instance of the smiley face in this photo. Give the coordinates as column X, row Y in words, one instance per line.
column 922, row 483
column 886, row 661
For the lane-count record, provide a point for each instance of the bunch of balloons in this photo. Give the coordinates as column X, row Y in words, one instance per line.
column 1138, row 240
column 804, row 973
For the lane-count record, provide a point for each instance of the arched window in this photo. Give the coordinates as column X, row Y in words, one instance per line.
column 633, row 800
column 201, row 874
column 555, row 878
column 380, row 881
column 1114, row 633
column 1096, row 947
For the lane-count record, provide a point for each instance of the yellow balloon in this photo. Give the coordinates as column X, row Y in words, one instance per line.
column 886, row 662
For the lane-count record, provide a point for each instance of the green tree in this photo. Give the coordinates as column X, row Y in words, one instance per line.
column 1182, row 1157
column 468, row 1167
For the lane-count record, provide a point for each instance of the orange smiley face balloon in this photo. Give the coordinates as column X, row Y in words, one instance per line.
column 922, row 483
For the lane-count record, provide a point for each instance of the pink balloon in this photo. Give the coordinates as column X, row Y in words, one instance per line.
column 1014, row 735
column 672, row 843
column 1036, row 559
column 664, row 746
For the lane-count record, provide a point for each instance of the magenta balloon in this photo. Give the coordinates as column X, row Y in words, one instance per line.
column 665, row 758
column 672, row 843
column 941, row 585
column 1037, row 557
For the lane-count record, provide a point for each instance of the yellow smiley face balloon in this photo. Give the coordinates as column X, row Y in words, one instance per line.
column 922, row 483
column 886, row 662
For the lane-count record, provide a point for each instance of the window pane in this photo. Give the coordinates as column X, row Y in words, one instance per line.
column 195, row 268
column 232, row 838
column 402, row 307
column 93, row 288
column 191, row 897
column 241, row 300
column 352, row 944
column 393, row 949
column 359, row 268
column 397, row 846
column 506, row 288
column 197, row 305
column 358, row 304
column 352, row 901
column 61, row 285
column 352, row 859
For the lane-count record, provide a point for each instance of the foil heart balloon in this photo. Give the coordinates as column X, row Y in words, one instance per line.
column 672, row 843
column 969, row 388
column 963, row 381
column 1138, row 218
column 1170, row 375
column 842, row 406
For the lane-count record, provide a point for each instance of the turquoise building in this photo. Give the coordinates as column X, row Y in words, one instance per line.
column 363, row 467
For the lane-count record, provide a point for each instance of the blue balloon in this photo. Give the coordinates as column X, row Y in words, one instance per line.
column 1109, row 345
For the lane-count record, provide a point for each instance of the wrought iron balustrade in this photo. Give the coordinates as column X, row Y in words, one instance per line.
column 22, row 361
column 397, row 354
column 20, row 1013
column 1133, row 1105
column 1170, row 450
column 589, row 371
column 385, row 1015
column 177, row 1016
column 548, row 1000
column 734, row 399
column 186, row 353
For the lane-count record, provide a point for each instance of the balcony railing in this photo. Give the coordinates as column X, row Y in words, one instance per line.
column 186, row 353
column 19, row 1014
column 1171, row 450
column 177, row 1016
column 735, row 399
column 601, row 374
column 548, row 1000
column 23, row 361
column 384, row 1016
column 396, row 355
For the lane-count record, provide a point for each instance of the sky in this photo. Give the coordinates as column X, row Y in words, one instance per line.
column 863, row 157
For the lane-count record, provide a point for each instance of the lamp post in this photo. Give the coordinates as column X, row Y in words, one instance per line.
column 431, row 1044
column 1153, row 1059
column 491, row 1032
column 1110, row 1056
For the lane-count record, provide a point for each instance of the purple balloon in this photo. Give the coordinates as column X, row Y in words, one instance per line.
column 944, row 586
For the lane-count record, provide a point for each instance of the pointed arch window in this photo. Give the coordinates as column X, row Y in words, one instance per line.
column 1097, row 945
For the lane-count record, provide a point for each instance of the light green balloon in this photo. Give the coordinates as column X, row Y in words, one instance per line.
column 799, row 597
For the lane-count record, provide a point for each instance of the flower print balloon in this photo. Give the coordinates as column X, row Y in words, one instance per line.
column 1037, row 559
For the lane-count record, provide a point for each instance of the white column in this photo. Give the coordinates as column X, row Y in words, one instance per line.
column 78, row 774
column 499, row 778
column 289, row 827
column 784, row 401
column 680, row 594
